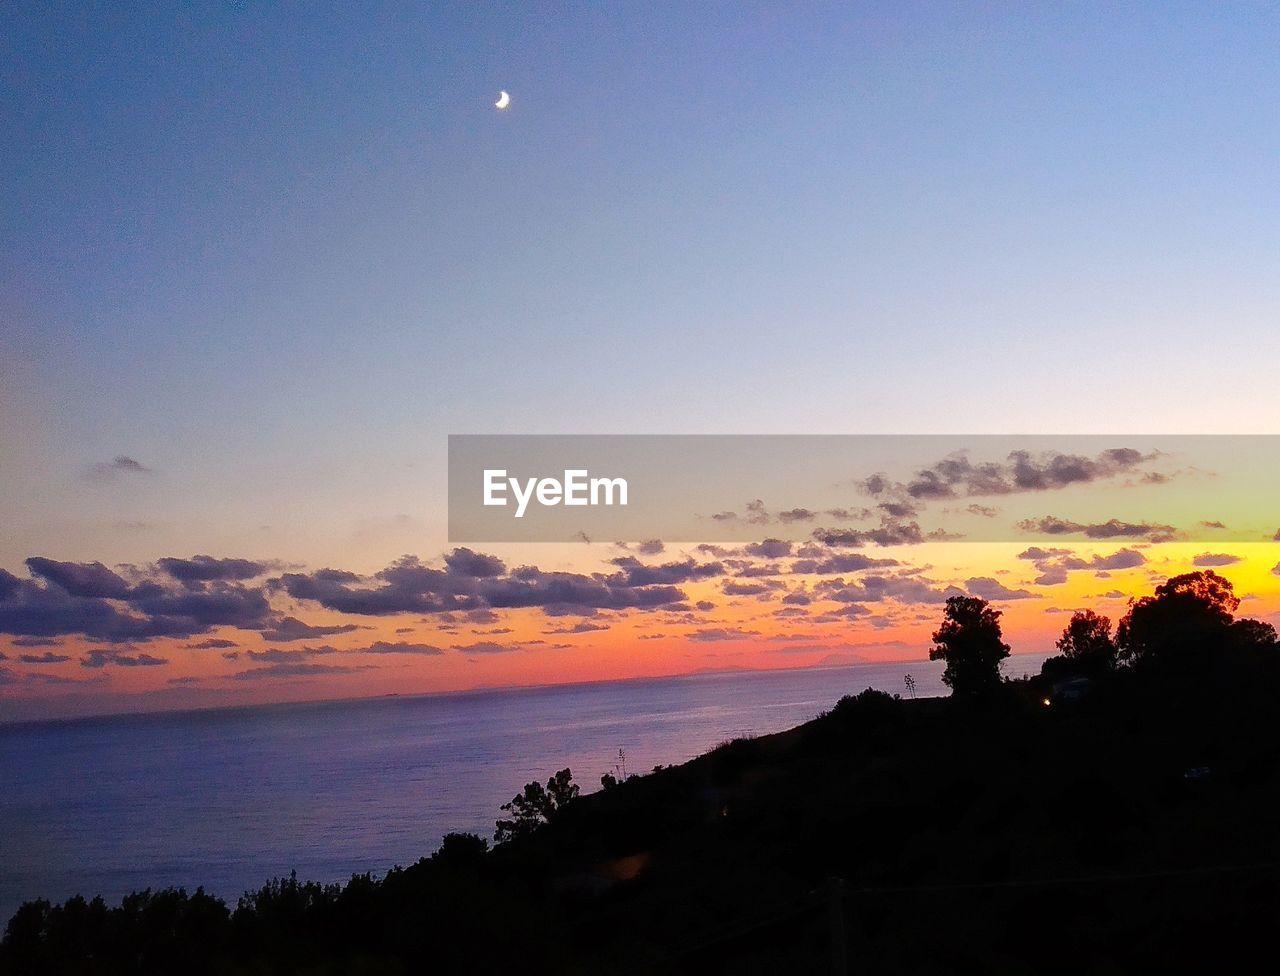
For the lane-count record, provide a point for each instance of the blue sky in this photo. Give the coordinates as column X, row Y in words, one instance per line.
column 277, row 253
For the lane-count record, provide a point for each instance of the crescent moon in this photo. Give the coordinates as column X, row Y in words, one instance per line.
column 503, row 100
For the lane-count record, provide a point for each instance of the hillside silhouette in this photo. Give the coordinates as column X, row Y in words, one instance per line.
column 1113, row 814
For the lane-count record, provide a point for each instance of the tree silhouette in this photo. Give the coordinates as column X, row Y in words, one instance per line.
column 561, row 789
column 534, row 806
column 1187, row 614
column 1087, row 642
column 970, row 641
column 1250, row 634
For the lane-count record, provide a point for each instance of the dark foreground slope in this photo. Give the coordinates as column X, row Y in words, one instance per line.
column 1131, row 831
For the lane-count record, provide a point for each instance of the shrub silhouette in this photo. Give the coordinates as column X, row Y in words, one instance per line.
column 460, row 850
column 867, row 710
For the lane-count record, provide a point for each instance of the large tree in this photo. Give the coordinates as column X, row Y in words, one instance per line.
column 970, row 641
column 1188, row 615
column 1087, row 642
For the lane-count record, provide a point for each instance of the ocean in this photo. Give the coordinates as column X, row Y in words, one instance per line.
column 228, row 798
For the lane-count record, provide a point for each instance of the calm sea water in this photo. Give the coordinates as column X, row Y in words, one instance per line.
column 228, row 798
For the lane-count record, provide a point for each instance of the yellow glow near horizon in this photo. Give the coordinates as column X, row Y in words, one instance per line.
column 753, row 630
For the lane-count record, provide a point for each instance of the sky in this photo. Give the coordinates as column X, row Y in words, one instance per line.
column 258, row 261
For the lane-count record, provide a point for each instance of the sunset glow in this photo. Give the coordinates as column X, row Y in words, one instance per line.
column 737, row 608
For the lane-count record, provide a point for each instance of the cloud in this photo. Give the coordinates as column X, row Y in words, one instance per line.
column 583, row 627
column 850, row 611
column 992, row 589
column 216, row 604
column 1055, row 564
column 134, row 525
column 88, row 598
column 294, row 669
column 634, row 573
column 1120, row 559
column 291, row 629
column 383, row 647
column 740, row 588
column 1051, row 576
column 890, row 533
column 465, row 562
column 875, row 589
column 1207, row 559
column 81, row 579
column 1111, row 529
column 652, row 547
column 213, row 643
column 840, row 563
column 756, row 514
column 848, row 514
column 898, row 509
column 120, row 466
column 202, row 569
column 42, row 611
column 48, row 657
column 277, row 654
column 1037, row 554
column 100, row 659
column 1276, row 569
column 408, row 586
column 747, row 569
column 37, row 642
column 712, row 634
column 768, row 549
column 1212, row 525
column 955, row 476
column 485, row 647
column 796, row 515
